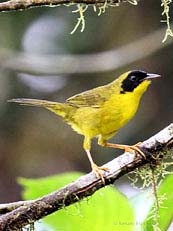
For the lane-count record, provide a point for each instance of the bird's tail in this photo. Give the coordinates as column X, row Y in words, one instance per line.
column 60, row 109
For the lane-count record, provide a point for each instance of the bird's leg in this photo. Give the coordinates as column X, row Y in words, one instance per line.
column 97, row 170
column 126, row 148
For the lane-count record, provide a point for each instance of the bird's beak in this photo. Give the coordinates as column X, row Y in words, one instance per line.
column 152, row 76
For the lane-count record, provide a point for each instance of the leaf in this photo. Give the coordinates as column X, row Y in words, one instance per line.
column 107, row 209
column 34, row 188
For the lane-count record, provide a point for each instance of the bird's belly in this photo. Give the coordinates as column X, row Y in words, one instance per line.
column 93, row 122
column 87, row 122
column 104, row 121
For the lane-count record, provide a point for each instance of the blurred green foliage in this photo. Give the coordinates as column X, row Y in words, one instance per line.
column 165, row 212
column 106, row 209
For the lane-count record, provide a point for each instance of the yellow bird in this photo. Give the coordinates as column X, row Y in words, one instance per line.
column 102, row 111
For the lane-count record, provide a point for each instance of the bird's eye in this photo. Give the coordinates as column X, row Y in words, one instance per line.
column 133, row 78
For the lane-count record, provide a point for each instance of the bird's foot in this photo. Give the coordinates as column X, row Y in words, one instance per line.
column 128, row 148
column 98, row 171
column 135, row 147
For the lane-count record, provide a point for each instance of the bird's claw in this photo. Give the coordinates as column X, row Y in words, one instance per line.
column 97, row 170
column 131, row 148
column 128, row 148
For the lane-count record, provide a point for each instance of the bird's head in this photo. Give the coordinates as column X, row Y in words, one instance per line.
column 135, row 81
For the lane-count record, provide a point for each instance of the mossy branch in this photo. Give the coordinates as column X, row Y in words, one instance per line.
column 26, row 4
column 19, row 214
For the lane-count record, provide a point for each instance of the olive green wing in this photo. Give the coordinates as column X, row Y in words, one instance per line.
column 92, row 98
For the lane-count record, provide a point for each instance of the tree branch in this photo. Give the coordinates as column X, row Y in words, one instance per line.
column 36, row 64
column 8, row 207
column 26, row 4
column 29, row 211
